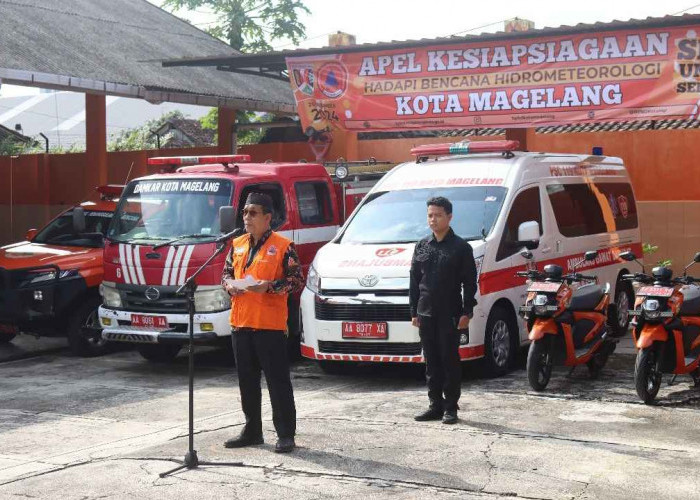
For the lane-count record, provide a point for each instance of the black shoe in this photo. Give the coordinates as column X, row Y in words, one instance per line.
column 285, row 445
column 450, row 417
column 243, row 440
column 429, row 414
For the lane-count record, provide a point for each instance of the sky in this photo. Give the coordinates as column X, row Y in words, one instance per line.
column 385, row 20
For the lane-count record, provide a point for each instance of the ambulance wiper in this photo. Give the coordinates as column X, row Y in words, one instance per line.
column 181, row 237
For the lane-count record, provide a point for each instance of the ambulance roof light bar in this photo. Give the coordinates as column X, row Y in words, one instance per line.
column 465, row 147
column 197, row 160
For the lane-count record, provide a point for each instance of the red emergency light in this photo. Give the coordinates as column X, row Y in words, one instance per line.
column 465, row 147
column 110, row 191
column 198, row 160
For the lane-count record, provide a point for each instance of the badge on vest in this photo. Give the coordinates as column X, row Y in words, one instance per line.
column 239, row 250
column 272, row 250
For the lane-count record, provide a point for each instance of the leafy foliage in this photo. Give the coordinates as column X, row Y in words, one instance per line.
column 211, row 121
column 649, row 249
column 249, row 25
column 142, row 137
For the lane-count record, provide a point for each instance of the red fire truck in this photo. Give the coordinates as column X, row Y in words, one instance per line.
column 180, row 205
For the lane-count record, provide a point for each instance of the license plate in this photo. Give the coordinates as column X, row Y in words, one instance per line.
column 656, row 291
column 543, row 286
column 362, row 330
column 149, row 321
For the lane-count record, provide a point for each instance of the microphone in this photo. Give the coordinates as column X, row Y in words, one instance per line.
column 233, row 234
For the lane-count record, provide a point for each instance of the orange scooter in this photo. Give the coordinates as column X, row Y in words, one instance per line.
column 567, row 319
column 666, row 327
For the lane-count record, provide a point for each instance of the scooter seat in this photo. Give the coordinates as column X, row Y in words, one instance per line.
column 691, row 301
column 586, row 298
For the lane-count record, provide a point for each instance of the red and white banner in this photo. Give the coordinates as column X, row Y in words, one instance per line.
column 622, row 75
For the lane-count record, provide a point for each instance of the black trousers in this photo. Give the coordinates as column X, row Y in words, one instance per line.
column 265, row 350
column 443, row 372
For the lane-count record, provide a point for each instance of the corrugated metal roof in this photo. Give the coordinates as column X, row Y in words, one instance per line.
column 120, row 43
column 275, row 60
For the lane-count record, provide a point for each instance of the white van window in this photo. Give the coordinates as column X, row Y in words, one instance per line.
column 526, row 207
column 586, row 209
column 400, row 216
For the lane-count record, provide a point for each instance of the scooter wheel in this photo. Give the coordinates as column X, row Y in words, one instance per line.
column 647, row 374
column 539, row 364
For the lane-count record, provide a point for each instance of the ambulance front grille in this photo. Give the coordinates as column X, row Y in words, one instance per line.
column 362, row 312
column 392, row 348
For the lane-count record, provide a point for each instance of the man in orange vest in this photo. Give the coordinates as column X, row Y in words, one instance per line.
column 259, row 321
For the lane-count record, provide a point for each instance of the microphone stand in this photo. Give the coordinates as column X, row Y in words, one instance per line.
column 191, row 461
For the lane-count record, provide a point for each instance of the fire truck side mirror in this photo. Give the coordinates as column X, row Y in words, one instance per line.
column 30, row 234
column 79, row 220
column 227, row 216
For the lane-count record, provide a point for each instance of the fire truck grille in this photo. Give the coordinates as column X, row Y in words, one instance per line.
column 395, row 348
column 363, row 312
column 134, row 299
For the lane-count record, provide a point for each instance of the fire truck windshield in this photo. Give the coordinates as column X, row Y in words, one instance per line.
column 162, row 209
column 400, row 216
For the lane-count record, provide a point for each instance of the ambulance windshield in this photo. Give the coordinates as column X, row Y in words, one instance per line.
column 162, row 209
column 400, row 216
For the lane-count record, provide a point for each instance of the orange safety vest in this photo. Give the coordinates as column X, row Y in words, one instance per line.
column 262, row 311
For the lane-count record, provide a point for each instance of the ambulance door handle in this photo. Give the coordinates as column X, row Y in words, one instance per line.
column 546, row 250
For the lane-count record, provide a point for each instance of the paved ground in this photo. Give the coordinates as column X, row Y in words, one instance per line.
column 104, row 428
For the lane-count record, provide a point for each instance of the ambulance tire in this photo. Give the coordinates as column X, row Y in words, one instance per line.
column 624, row 301
column 500, row 342
column 6, row 337
column 159, row 353
column 83, row 344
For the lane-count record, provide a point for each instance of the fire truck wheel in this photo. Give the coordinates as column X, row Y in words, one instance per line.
column 499, row 342
column 84, row 332
column 159, row 353
column 6, row 337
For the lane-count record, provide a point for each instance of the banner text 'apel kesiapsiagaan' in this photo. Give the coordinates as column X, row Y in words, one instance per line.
column 615, row 75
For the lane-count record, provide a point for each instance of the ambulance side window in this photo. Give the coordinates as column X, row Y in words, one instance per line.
column 279, row 213
column 314, row 202
column 577, row 209
column 526, row 207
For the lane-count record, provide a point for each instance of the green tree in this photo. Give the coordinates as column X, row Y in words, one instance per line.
column 142, row 137
column 211, row 121
column 250, row 25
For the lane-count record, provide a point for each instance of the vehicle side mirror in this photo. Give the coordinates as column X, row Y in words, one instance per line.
column 30, row 234
column 590, row 255
column 529, row 234
column 78, row 220
column 227, row 219
column 629, row 256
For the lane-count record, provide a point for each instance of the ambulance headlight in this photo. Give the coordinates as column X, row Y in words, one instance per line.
column 110, row 294
column 210, row 300
column 313, row 280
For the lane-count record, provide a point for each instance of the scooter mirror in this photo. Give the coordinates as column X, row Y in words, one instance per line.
column 628, row 256
column 78, row 220
column 227, row 216
column 590, row 255
column 696, row 259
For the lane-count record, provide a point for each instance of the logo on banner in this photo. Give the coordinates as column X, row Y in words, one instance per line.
column 332, row 79
column 304, row 79
column 388, row 252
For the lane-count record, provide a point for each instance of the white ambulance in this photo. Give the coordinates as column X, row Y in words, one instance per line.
column 355, row 305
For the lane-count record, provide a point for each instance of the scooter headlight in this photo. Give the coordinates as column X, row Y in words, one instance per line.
column 651, row 308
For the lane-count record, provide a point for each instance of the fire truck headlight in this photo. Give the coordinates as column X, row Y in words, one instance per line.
column 313, row 280
column 110, row 295
column 210, row 300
